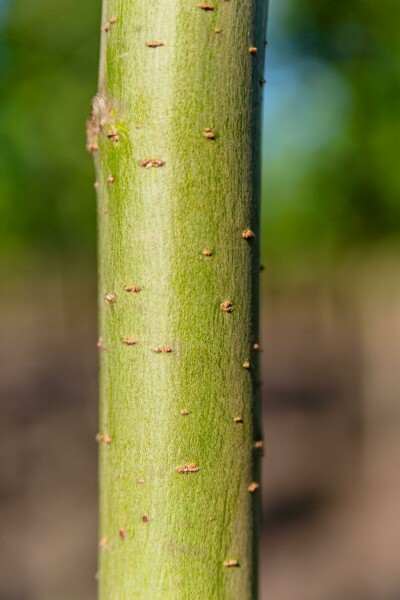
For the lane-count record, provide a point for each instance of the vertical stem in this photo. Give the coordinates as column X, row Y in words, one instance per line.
column 175, row 131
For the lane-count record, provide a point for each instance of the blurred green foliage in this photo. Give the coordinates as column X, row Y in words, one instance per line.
column 331, row 179
column 48, row 75
column 331, row 176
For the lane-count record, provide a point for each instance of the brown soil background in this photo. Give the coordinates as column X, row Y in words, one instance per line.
column 331, row 478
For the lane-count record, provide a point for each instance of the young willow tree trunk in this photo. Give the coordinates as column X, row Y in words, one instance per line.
column 175, row 131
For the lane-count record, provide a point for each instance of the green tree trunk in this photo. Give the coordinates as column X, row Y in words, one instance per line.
column 175, row 131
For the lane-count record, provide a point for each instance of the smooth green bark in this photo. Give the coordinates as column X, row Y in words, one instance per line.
column 165, row 535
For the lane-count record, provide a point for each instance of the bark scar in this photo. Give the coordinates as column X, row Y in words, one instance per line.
column 148, row 163
column 248, row 234
column 101, row 110
column 155, row 44
column 129, row 341
column 190, row 468
column 253, row 487
column 227, row 306
column 162, row 350
column 231, row 563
